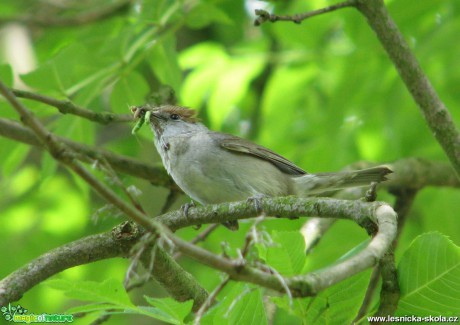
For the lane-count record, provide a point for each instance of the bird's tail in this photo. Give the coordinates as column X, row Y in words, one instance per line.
column 313, row 184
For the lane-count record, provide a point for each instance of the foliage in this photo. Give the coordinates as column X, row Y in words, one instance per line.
column 323, row 94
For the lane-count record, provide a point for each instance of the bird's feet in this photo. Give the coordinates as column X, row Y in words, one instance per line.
column 255, row 200
column 185, row 208
column 371, row 193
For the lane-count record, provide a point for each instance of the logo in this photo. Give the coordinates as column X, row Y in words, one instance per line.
column 18, row 314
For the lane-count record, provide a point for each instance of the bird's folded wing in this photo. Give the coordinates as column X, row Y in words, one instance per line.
column 240, row 145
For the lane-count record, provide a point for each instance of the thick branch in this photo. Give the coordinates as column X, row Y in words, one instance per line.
column 433, row 109
column 362, row 212
column 118, row 243
column 86, row 250
column 281, row 207
column 312, row 283
column 180, row 284
column 416, row 173
column 390, row 293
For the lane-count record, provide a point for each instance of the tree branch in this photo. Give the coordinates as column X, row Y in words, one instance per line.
column 364, row 213
column 127, row 165
column 433, row 109
column 64, row 154
column 312, row 283
column 264, row 16
column 389, row 294
column 67, row 107
column 86, row 250
column 117, row 243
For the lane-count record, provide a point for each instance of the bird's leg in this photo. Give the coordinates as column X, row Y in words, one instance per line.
column 255, row 200
column 185, row 209
column 371, row 193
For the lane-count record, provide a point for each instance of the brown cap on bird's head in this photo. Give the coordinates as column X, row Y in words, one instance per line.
column 186, row 114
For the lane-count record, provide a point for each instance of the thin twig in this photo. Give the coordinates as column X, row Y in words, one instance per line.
column 369, row 295
column 264, row 16
column 251, row 236
column 67, row 107
column 170, row 200
column 155, row 174
column 210, row 300
column 201, row 237
column 114, row 177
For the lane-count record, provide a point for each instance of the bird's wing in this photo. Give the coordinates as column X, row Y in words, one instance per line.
column 240, row 145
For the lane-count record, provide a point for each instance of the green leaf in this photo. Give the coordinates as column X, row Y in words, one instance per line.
column 89, row 308
column 204, row 14
column 6, row 74
column 219, row 77
column 287, row 255
column 429, row 277
column 285, row 90
column 338, row 304
column 248, row 310
column 176, row 310
column 164, row 63
column 13, row 156
column 110, row 291
column 129, row 90
column 242, row 304
column 355, row 250
column 71, row 68
column 208, row 60
column 231, row 86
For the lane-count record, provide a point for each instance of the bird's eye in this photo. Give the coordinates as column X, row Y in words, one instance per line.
column 175, row 117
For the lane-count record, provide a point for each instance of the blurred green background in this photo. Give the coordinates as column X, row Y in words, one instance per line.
column 323, row 94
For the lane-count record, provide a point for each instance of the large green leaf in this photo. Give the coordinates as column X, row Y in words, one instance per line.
column 429, row 277
column 164, row 63
column 219, row 78
column 248, row 310
column 6, row 74
column 204, row 14
column 110, row 291
column 177, row 311
column 242, row 304
column 338, row 304
column 72, row 68
column 129, row 90
column 287, row 253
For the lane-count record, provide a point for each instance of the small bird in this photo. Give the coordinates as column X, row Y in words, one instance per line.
column 213, row 167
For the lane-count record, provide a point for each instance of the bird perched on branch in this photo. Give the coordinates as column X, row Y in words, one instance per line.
column 213, row 167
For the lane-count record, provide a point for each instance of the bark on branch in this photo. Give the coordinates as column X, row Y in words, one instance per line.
column 114, row 244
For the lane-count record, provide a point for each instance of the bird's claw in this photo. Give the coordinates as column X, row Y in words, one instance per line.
column 185, row 208
column 371, row 193
column 255, row 200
